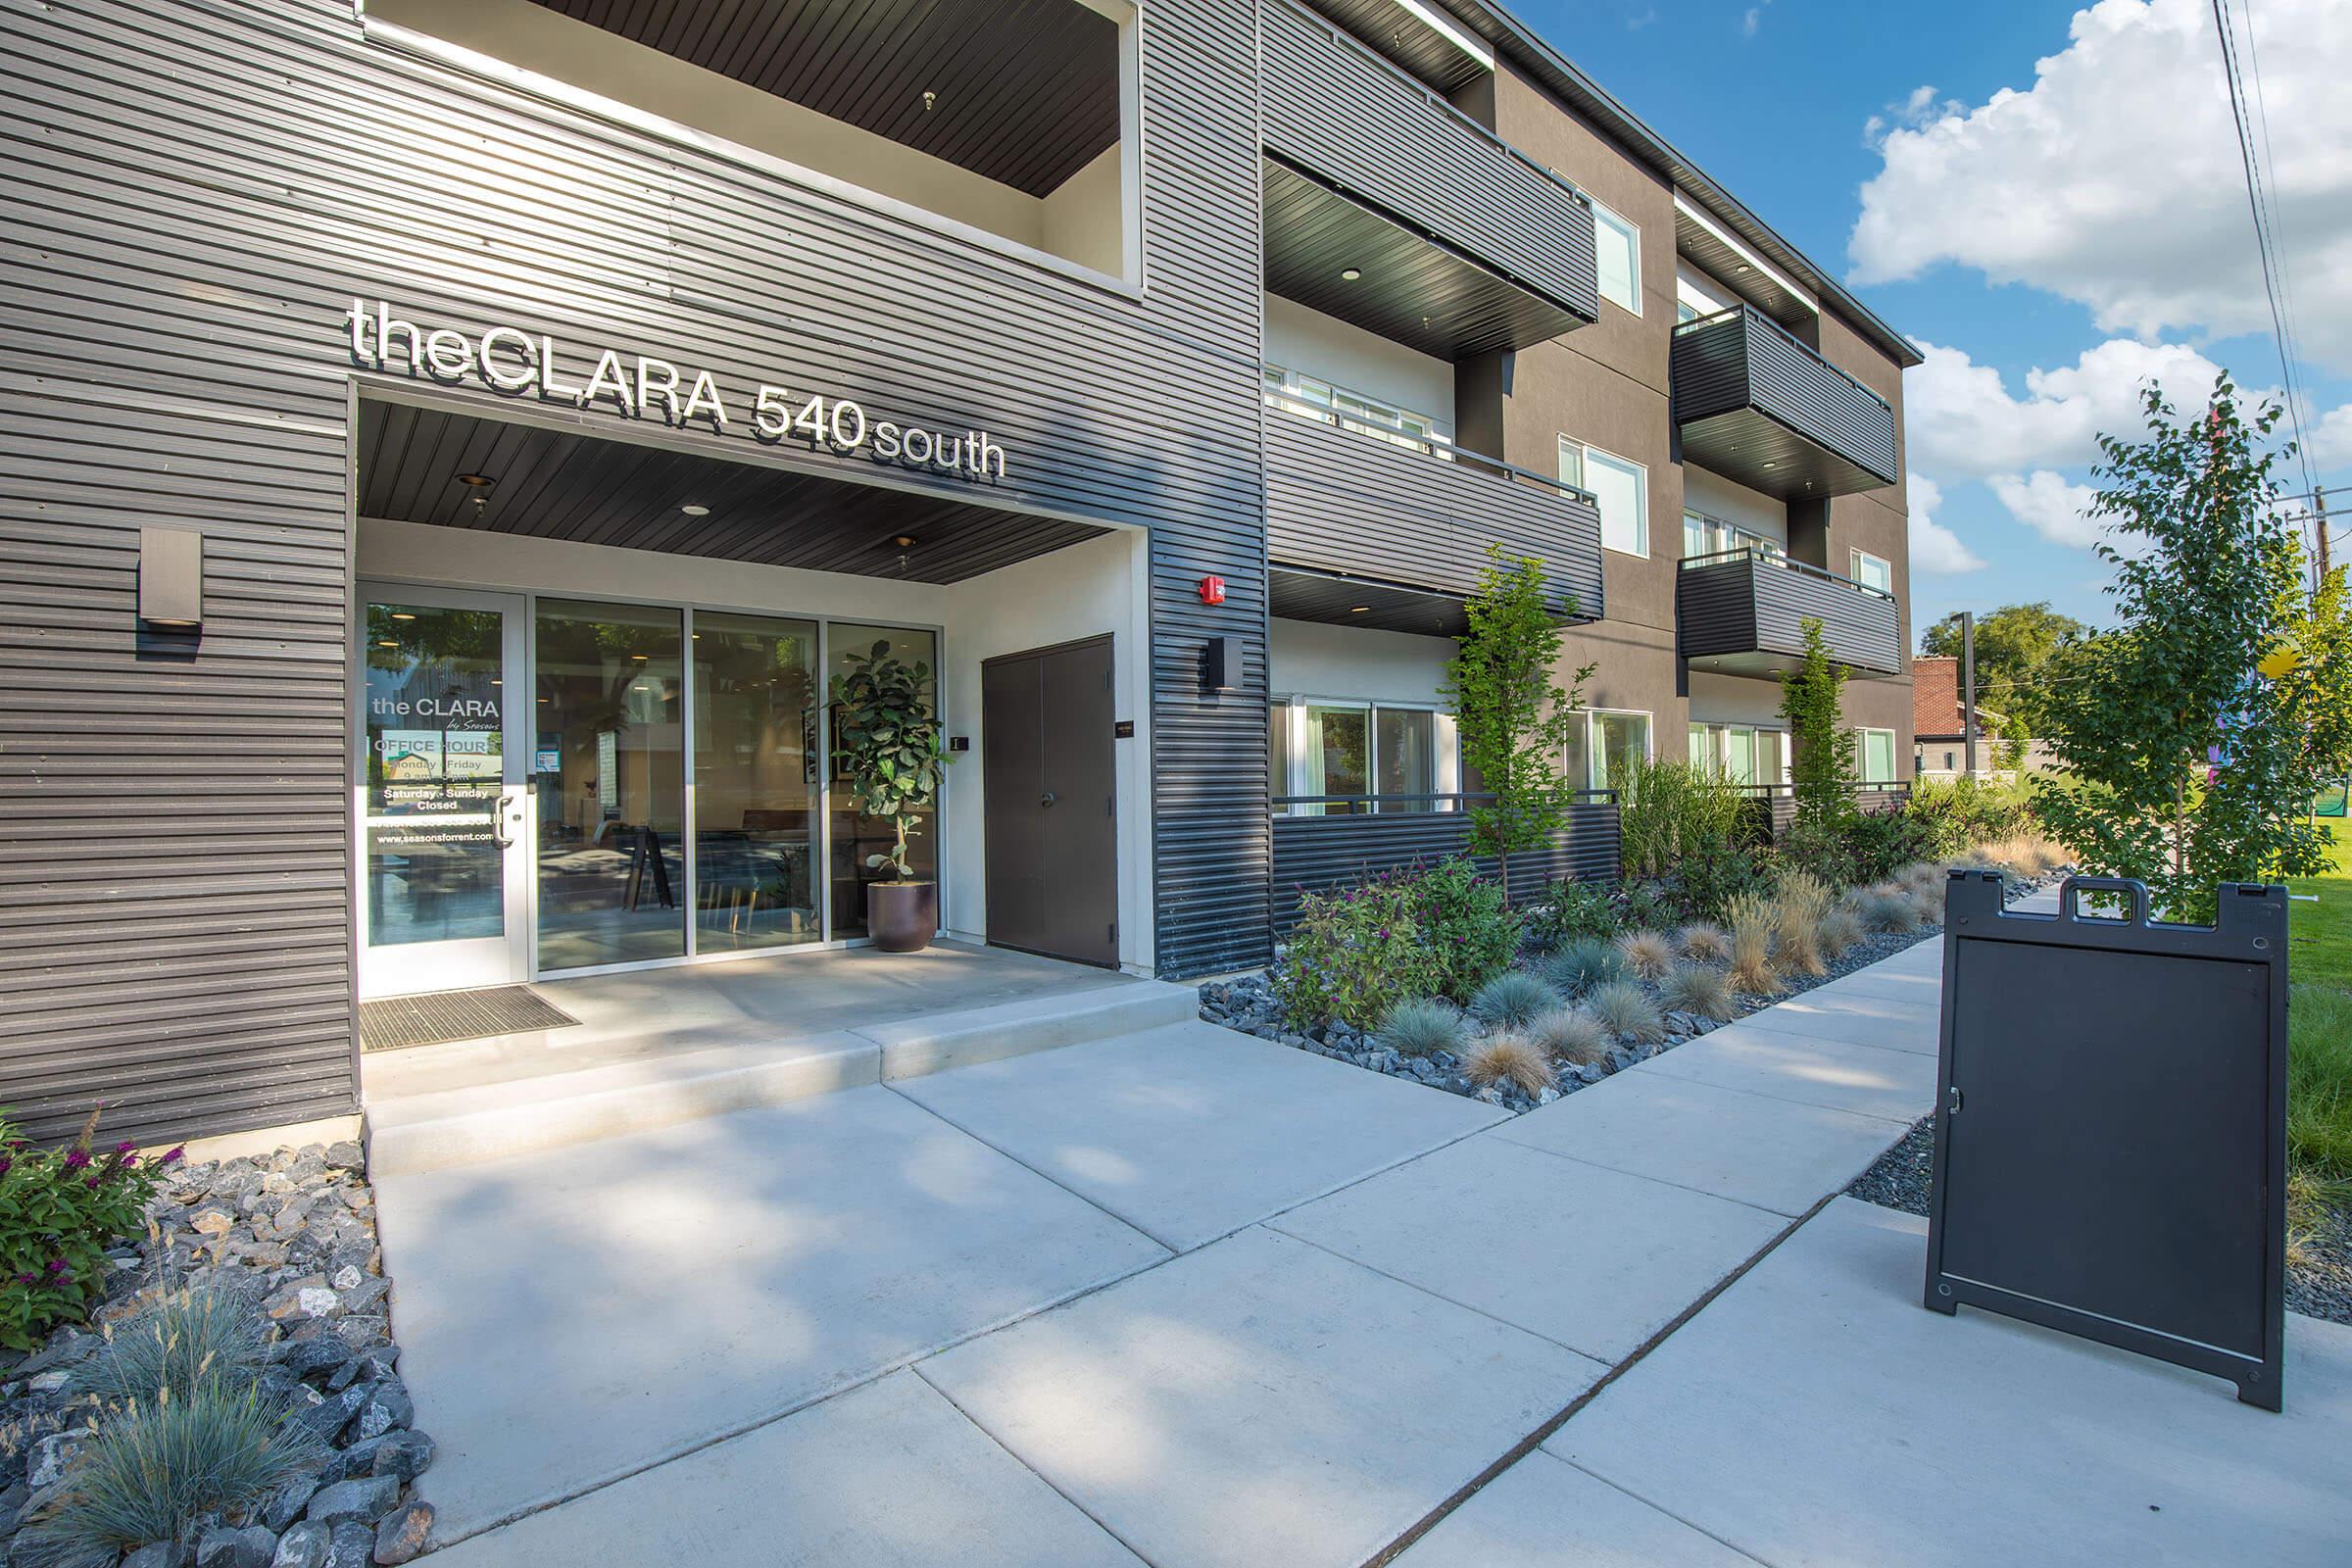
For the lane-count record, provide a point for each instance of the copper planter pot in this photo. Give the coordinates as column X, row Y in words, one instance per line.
column 902, row 916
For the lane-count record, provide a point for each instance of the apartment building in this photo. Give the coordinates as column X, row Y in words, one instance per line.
column 455, row 442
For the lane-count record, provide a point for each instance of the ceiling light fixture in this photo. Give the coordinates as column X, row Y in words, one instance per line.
column 1359, row 609
column 1745, row 268
column 695, row 509
column 1770, row 463
column 1348, row 274
column 402, row 615
column 387, row 644
column 476, row 481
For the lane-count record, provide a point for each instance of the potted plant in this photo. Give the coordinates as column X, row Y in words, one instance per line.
column 886, row 738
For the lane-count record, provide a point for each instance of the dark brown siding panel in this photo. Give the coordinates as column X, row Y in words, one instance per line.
column 1339, row 111
column 196, row 195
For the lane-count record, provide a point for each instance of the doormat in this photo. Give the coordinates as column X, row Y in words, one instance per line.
column 393, row 1024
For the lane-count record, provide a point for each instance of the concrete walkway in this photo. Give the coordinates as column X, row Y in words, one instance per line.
column 1185, row 1297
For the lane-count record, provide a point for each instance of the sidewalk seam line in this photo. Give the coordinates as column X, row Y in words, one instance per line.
column 1780, row 1100
column 1690, row 1524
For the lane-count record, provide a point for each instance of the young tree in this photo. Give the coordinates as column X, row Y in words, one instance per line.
column 2015, row 645
column 1821, row 762
column 2188, row 766
column 1513, row 715
column 2010, row 755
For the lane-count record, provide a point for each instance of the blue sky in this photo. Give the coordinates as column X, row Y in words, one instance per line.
column 2089, row 224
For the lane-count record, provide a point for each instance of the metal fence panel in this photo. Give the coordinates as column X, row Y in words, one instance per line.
column 2116, row 1168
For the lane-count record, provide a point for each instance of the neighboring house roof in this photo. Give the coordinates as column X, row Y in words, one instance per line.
column 1581, row 92
column 1936, row 713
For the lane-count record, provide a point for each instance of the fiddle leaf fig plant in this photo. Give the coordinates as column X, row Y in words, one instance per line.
column 886, row 735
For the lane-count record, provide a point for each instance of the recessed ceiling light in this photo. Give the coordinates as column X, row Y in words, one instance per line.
column 695, row 509
column 402, row 614
column 1769, row 464
column 640, row 658
column 387, row 644
column 905, row 541
column 495, row 682
column 1359, row 609
column 1348, row 274
column 476, row 481
column 1743, row 267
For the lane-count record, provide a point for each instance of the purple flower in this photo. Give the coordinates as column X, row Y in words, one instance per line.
column 5, row 1164
column 173, row 1158
column 76, row 1159
column 124, row 1147
column 57, row 1267
column 29, row 1278
column 94, row 1183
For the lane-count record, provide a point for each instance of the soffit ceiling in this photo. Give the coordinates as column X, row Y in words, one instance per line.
column 1026, row 92
column 569, row 485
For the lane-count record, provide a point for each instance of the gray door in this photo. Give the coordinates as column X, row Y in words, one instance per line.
column 1050, row 775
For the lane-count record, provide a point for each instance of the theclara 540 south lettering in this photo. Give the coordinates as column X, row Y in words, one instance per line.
column 637, row 386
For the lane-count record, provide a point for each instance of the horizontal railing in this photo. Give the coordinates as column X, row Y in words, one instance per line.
column 1396, row 433
column 1774, row 555
column 1776, row 803
column 1316, row 853
column 1698, row 324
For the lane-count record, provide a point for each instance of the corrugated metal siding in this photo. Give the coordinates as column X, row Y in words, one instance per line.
column 1744, row 360
column 1337, row 110
column 1337, row 501
column 1316, row 853
column 1750, row 606
column 195, row 196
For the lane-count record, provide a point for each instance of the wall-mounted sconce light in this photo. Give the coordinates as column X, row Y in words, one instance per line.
column 170, row 577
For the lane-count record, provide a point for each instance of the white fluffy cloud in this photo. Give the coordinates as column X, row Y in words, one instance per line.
column 2114, row 180
column 1963, row 422
column 2052, row 507
column 2331, row 438
column 1934, row 546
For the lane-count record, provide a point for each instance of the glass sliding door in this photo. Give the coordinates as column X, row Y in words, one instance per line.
column 1405, row 747
column 854, row 835
column 608, row 759
column 442, row 901
column 756, row 783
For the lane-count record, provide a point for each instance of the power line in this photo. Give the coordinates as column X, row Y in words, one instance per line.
column 2266, row 243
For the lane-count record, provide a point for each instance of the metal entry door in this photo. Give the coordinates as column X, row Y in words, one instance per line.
column 1050, row 775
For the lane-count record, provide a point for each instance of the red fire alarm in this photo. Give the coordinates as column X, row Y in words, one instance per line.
column 1213, row 590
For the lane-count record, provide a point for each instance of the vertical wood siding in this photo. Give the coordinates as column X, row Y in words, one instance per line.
column 195, row 196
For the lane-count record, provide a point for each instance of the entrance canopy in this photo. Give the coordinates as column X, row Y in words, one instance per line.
column 465, row 470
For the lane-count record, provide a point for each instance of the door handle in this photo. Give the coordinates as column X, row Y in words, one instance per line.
column 1049, row 799
column 498, row 830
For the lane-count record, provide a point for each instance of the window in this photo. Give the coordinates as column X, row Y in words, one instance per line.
column 1741, row 753
column 1619, row 486
column 1599, row 748
column 1696, row 295
column 1703, row 535
column 1617, row 248
column 1873, row 755
column 1326, row 404
column 1379, row 749
column 1871, row 572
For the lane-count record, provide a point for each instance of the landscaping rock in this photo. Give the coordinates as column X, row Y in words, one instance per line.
column 51, row 1457
column 365, row 1499
column 386, row 1408
column 305, row 1546
column 288, row 1502
column 350, row 1545
column 222, row 1547
column 404, row 1455
column 403, row 1532
column 162, row 1554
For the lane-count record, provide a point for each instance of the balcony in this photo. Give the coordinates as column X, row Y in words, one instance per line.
column 1389, row 208
column 1742, row 613
column 1757, row 406
column 1375, row 525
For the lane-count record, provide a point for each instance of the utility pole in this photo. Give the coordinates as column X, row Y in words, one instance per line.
column 1968, row 687
column 2319, row 507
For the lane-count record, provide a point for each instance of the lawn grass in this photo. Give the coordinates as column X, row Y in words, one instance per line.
column 2319, row 1083
column 2320, row 935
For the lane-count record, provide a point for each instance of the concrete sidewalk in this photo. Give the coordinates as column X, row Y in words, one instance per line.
column 1340, row 1307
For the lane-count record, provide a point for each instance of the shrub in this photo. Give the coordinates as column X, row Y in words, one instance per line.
column 1751, row 970
column 1706, row 943
column 1354, row 954
column 1840, row 930
column 1889, row 909
column 1571, row 1033
column 1700, row 988
column 1803, row 901
column 153, row 1467
column 173, row 1343
column 1467, row 923
column 60, row 1210
column 1422, row 1026
column 1669, row 810
column 1646, row 953
column 1511, row 1058
column 1953, row 815
column 1624, row 1008
column 1570, row 911
column 1513, row 999
column 1583, row 964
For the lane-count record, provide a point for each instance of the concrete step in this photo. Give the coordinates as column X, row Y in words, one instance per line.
column 464, row 1126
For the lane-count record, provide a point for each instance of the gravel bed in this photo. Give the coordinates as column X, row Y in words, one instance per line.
column 292, row 1235
column 2318, row 1268
column 1246, row 1004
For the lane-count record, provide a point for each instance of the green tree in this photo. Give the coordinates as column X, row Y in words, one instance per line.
column 887, row 736
column 2190, row 767
column 1821, row 762
column 1513, row 715
column 2013, row 647
column 2010, row 755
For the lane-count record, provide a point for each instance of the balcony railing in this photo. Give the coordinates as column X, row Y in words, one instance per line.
column 1388, row 207
column 1315, row 854
column 1742, row 612
column 1759, row 407
column 1361, row 500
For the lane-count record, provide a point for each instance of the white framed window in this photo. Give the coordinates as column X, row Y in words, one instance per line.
column 1620, row 488
column 1873, row 755
column 1328, row 404
column 1703, row 535
column 1601, row 747
column 1397, row 754
column 1871, row 572
column 1617, row 249
column 1741, row 754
